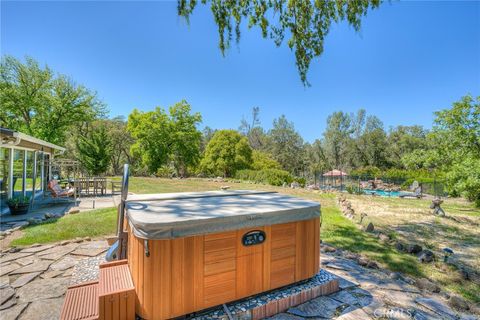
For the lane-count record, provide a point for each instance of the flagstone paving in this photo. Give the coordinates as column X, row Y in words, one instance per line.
column 34, row 281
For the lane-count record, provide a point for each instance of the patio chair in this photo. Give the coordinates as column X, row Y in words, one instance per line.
column 57, row 191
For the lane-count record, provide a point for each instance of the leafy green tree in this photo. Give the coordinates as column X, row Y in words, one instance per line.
column 37, row 102
column 263, row 160
column 226, row 153
column 286, row 145
column 403, row 140
column 305, row 22
column 185, row 138
column 121, row 143
column 253, row 131
column 161, row 138
column 337, row 139
column 316, row 159
column 95, row 150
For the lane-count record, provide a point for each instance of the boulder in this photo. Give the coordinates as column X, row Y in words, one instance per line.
column 399, row 246
column 458, row 303
column 370, row 227
column 426, row 256
column 413, row 248
column 428, row 285
column 383, row 237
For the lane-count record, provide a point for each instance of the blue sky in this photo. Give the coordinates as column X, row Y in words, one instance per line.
column 409, row 60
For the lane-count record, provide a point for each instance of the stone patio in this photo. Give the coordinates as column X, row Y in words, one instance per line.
column 33, row 282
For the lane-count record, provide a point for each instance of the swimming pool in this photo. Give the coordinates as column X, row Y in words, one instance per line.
column 384, row 193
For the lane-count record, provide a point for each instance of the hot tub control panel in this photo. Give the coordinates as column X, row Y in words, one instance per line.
column 253, row 237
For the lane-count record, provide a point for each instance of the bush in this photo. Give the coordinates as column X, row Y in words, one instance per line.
column 274, row 177
column 354, row 190
column 301, row 181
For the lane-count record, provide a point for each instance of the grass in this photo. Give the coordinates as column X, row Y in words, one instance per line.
column 93, row 223
column 403, row 219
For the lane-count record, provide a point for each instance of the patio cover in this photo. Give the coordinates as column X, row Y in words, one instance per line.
column 335, row 173
column 176, row 215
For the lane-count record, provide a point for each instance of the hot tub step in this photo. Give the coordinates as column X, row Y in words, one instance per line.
column 116, row 292
column 81, row 302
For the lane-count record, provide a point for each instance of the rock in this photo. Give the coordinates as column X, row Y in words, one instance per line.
column 224, row 187
column 43, row 310
column 14, row 250
column 38, row 266
column 51, row 274
column 73, row 211
column 37, row 248
column 323, row 307
column 383, row 237
column 326, row 248
column 48, row 215
column 87, row 239
column 64, row 264
column 369, row 227
column 43, row 289
column 426, row 284
column 436, row 306
column 458, row 303
column 8, row 304
column 77, row 240
column 57, row 252
column 372, row 265
column 6, row 293
column 20, row 224
column 14, row 312
column 24, row 279
column 362, row 261
column 8, row 269
column 414, row 248
column 426, row 256
column 65, row 242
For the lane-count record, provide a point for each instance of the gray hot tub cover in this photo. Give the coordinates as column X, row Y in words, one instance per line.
column 177, row 215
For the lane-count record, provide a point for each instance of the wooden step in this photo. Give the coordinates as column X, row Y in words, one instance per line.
column 116, row 292
column 81, row 302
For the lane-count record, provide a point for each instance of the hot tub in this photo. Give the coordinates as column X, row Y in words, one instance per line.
column 190, row 251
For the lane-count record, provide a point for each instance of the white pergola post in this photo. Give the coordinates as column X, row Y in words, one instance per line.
column 24, row 173
column 10, row 173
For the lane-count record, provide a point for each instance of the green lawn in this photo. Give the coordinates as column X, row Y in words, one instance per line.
column 336, row 229
column 93, row 223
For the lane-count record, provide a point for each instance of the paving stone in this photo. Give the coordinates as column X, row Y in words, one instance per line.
column 38, row 248
column 51, row 274
column 395, row 297
column 14, row 256
column 42, row 289
column 8, row 304
column 4, row 281
column 43, row 310
column 13, row 312
column 68, row 273
column 25, row 261
column 6, row 293
column 57, row 252
column 89, row 252
column 285, row 316
column 323, row 307
column 354, row 313
column 64, row 264
column 436, row 306
column 358, row 297
column 38, row 266
column 345, row 284
column 9, row 268
column 24, row 279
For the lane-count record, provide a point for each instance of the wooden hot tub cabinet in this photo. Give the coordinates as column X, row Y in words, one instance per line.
column 188, row 274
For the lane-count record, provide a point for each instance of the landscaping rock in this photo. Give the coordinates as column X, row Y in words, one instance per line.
column 436, row 306
column 426, row 256
column 414, row 248
column 383, row 237
column 39, row 266
column 327, row 248
column 370, row 227
column 37, row 248
column 458, row 303
column 8, row 304
column 426, row 284
column 9, row 268
column 323, row 307
column 73, row 211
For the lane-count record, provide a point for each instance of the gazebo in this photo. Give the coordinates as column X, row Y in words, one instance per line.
column 332, row 176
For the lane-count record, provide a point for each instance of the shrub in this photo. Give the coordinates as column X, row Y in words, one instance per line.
column 274, row 177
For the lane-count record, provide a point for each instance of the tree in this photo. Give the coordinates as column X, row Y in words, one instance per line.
column 95, row 150
column 306, row 22
column 286, row 145
column 38, row 103
column 263, row 160
column 161, row 138
column 403, row 140
column 317, row 160
column 185, row 138
column 226, row 153
column 121, row 142
column 253, row 131
column 337, row 139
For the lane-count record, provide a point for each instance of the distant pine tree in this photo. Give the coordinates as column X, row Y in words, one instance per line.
column 95, row 151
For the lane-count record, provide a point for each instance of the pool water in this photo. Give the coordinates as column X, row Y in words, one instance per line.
column 384, row 193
